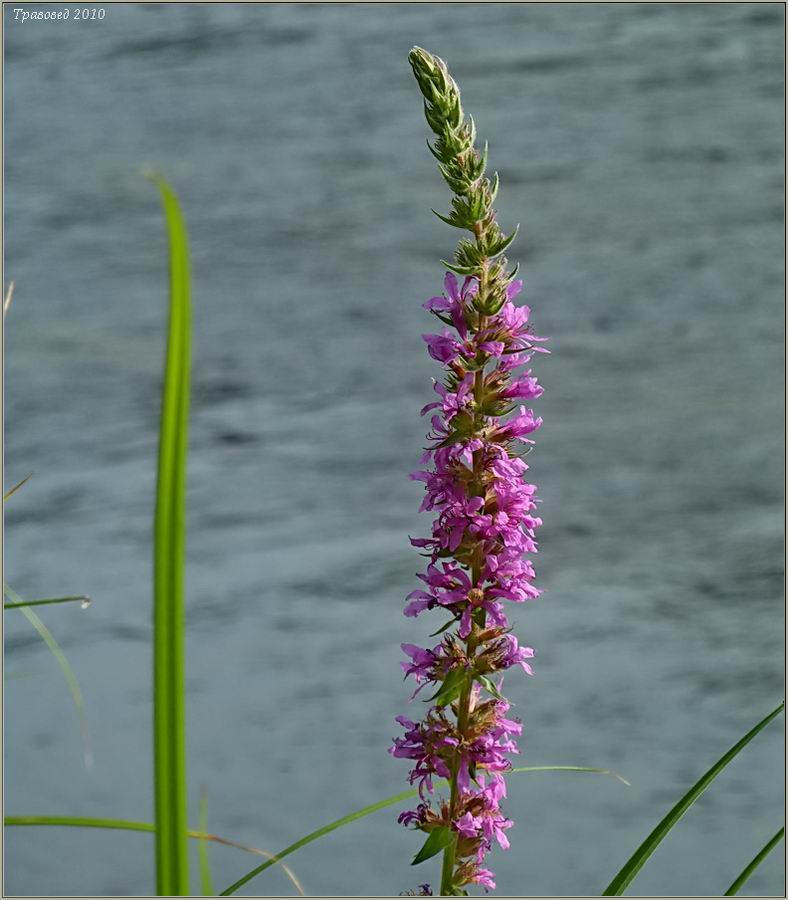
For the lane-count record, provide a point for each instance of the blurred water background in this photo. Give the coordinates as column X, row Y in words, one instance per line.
column 640, row 146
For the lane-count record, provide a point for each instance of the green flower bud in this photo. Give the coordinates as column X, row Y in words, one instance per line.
column 463, row 168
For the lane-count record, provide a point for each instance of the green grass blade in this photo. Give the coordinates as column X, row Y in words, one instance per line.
column 149, row 827
column 8, row 297
column 65, row 667
column 740, row 881
column 374, row 807
column 635, row 863
column 80, row 598
column 11, row 491
column 171, row 805
column 206, row 881
column 79, row 822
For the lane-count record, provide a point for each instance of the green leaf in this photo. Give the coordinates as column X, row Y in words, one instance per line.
column 433, row 151
column 206, row 882
column 65, row 667
column 496, row 408
column 451, row 688
column 456, row 437
column 82, row 822
column 449, row 221
column 445, row 319
column 382, row 804
column 495, row 184
column 636, row 862
column 444, row 627
column 761, row 856
column 438, row 839
column 460, row 270
column 500, row 245
column 489, row 685
column 130, row 825
column 83, row 599
column 172, row 857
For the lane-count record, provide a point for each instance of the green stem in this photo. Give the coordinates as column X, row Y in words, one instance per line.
column 462, row 167
column 464, row 706
column 763, row 853
column 449, row 854
column 170, row 787
column 80, row 598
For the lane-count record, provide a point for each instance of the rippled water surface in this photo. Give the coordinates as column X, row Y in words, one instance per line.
column 640, row 146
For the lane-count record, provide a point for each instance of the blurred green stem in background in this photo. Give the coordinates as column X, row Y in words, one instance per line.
column 65, row 667
column 82, row 599
column 147, row 827
column 206, row 881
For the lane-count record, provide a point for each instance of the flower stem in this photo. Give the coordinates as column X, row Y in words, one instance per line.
column 482, row 522
column 464, row 705
column 447, row 872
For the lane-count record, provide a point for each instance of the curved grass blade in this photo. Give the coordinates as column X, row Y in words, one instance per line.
column 171, row 803
column 65, row 667
column 636, row 862
column 206, row 881
column 16, row 487
column 740, row 881
column 9, row 295
column 149, row 827
column 83, row 599
column 374, row 807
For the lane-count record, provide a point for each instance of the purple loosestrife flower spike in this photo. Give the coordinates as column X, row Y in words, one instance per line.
column 485, row 515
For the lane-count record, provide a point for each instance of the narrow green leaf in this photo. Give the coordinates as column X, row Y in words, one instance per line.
column 760, row 857
column 503, row 243
column 382, row 804
column 444, row 627
column 445, row 319
column 438, row 839
column 16, row 487
column 451, row 687
column 636, row 862
column 80, row 598
column 82, row 822
column 206, row 881
column 448, row 221
column 65, row 667
column 314, row 835
column 149, row 827
column 454, row 438
column 172, row 858
column 460, row 270
column 489, row 685
column 495, row 183
column 432, row 151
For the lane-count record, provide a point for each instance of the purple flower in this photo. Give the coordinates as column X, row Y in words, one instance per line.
column 484, row 517
column 455, row 301
column 485, row 878
column 484, row 523
column 524, row 423
column 523, row 388
column 442, row 347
